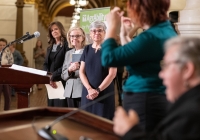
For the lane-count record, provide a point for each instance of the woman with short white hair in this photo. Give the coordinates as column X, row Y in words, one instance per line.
column 97, row 80
column 181, row 76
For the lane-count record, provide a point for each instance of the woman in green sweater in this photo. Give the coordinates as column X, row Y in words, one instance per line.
column 143, row 90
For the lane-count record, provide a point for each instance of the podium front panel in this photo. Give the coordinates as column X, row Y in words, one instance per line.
column 18, row 124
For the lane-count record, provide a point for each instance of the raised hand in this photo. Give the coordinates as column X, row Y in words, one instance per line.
column 126, row 26
column 123, row 121
column 113, row 19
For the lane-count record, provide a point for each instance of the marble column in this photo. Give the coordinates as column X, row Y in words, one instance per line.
column 189, row 19
column 19, row 28
column 19, row 22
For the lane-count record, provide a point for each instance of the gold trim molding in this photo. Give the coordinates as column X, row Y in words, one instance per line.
column 59, row 8
column 29, row 1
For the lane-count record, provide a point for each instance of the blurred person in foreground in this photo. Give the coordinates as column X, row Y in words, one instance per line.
column 181, row 76
column 70, row 70
column 97, row 80
column 55, row 57
column 143, row 90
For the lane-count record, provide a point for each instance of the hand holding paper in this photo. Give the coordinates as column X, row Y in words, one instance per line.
column 55, row 93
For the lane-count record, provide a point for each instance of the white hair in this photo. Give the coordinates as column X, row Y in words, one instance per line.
column 188, row 49
column 98, row 24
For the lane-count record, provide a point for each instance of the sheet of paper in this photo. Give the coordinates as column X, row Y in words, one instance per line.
column 55, row 93
column 30, row 70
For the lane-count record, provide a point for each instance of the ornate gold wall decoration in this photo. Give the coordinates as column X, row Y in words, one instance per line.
column 29, row 1
column 43, row 15
column 47, row 9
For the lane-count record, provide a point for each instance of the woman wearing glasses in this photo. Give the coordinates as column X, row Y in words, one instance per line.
column 97, row 80
column 143, row 90
column 70, row 70
column 181, row 76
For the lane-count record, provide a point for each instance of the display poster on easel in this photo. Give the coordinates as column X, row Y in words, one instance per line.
column 88, row 16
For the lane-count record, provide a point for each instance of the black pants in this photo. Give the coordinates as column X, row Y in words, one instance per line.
column 7, row 95
column 57, row 102
column 118, row 82
column 150, row 107
column 74, row 102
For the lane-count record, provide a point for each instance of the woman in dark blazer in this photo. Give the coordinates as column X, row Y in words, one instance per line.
column 55, row 57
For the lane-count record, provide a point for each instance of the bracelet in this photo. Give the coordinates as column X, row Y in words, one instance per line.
column 98, row 89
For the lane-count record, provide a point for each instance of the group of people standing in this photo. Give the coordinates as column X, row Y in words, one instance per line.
column 144, row 113
column 84, row 80
column 161, row 67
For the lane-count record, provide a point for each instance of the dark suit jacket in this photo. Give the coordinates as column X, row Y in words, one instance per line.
column 56, row 66
column 181, row 123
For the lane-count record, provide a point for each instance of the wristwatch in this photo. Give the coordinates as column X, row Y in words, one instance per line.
column 98, row 89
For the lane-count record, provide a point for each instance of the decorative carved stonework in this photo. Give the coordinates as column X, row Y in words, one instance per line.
column 43, row 15
column 29, row 1
column 20, row 3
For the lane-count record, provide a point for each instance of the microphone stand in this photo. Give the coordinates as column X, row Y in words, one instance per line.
column 17, row 41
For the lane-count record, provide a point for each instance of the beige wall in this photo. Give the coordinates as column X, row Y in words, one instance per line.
column 43, row 35
column 8, row 19
column 30, row 24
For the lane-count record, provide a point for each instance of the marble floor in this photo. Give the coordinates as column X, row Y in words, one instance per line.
column 37, row 98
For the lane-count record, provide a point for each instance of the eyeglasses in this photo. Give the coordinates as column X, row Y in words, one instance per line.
column 164, row 65
column 95, row 31
column 75, row 36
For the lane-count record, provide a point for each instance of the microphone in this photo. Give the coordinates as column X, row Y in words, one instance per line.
column 23, row 37
column 17, row 40
column 46, row 131
column 35, row 35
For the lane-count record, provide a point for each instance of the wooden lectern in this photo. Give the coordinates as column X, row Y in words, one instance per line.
column 22, row 82
column 17, row 124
